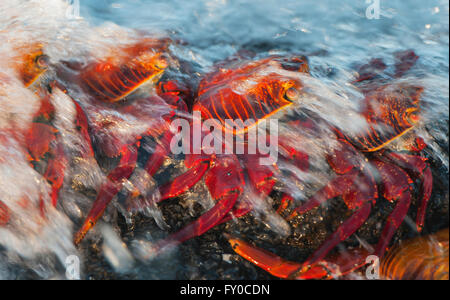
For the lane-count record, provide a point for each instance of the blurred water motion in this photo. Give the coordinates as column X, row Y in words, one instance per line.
column 335, row 35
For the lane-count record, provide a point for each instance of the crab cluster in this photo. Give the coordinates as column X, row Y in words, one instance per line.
column 132, row 86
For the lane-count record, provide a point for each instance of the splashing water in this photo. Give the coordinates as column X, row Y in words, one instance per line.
column 336, row 36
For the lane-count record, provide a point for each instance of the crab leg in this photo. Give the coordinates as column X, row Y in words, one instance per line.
column 344, row 162
column 38, row 140
column 204, row 223
column 156, row 160
column 109, row 189
column 343, row 185
column 82, row 127
column 341, row 234
column 181, row 184
column 301, row 161
column 421, row 169
column 42, row 139
column 197, row 164
column 314, row 267
column 239, row 210
column 282, row 268
column 266, row 260
column 397, row 187
column 56, row 167
column 184, row 182
column 405, row 60
column 399, row 192
column 4, row 214
column 225, row 183
column 336, row 187
column 393, row 223
column 55, row 172
column 262, row 180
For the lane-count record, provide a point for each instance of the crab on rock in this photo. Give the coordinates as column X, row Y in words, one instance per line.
column 391, row 110
column 236, row 111
column 121, row 111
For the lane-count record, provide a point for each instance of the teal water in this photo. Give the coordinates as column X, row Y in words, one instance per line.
column 334, row 34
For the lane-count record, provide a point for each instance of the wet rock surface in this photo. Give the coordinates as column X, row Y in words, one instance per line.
column 211, row 257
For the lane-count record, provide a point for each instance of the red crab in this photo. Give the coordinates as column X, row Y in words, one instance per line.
column 223, row 173
column 42, row 141
column 390, row 112
column 30, row 67
column 228, row 175
column 121, row 112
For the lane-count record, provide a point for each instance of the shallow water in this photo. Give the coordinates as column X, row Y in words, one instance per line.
column 335, row 35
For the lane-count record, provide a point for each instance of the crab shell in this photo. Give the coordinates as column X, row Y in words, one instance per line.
column 390, row 112
column 244, row 94
column 120, row 74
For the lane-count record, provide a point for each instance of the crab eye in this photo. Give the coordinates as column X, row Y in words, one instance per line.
column 42, row 61
column 103, row 67
column 413, row 117
column 162, row 63
column 291, row 94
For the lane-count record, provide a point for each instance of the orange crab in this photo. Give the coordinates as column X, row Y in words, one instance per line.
column 42, row 142
column 215, row 168
column 229, row 176
column 220, row 98
column 390, row 112
column 121, row 111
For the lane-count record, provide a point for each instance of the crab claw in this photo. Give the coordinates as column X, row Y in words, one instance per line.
column 333, row 267
column 278, row 266
column 225, row 183
column 266, row 260
column 184, row 182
